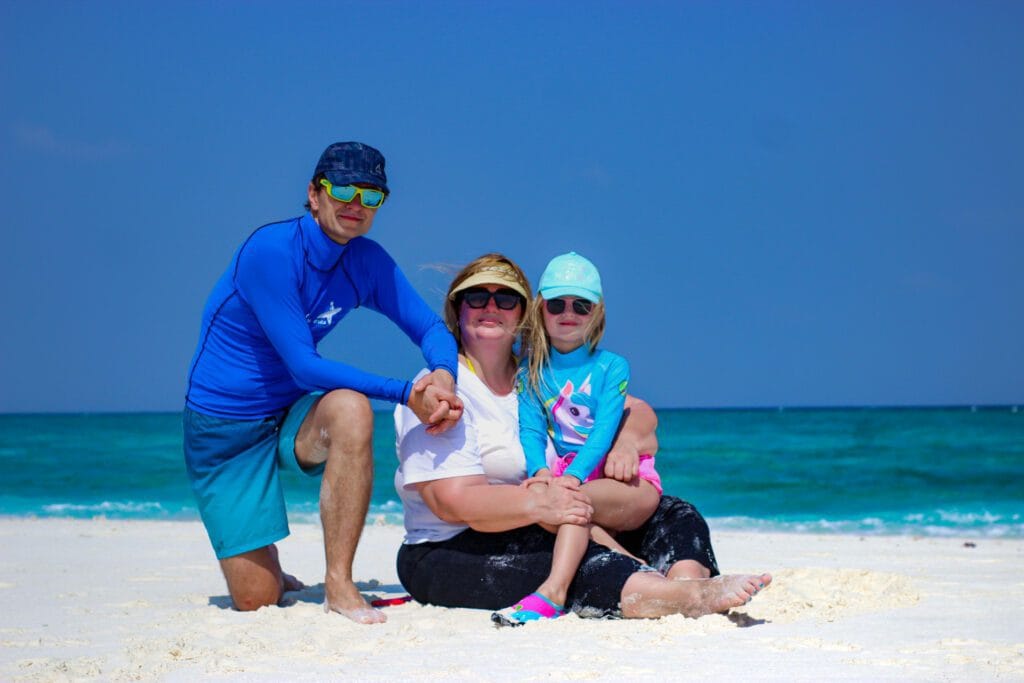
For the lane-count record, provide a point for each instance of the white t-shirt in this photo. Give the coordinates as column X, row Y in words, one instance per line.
column 485, row 441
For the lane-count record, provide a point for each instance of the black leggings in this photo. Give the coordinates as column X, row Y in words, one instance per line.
column 493, row 570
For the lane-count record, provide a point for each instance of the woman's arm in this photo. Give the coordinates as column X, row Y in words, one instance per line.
column 500, row 507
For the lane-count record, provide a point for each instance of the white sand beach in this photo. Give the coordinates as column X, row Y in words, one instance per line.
column 111, row 600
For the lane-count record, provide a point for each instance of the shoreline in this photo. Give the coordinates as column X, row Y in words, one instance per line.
column 105, row 599
column 870, row 526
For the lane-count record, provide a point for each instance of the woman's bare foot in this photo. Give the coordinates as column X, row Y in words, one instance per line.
column 347, row 601
column 650, row 595
column 722, row 593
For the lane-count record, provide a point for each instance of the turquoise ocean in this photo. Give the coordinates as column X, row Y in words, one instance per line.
column 922, row 471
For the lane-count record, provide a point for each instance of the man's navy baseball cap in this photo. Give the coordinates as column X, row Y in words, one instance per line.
column 349, row 163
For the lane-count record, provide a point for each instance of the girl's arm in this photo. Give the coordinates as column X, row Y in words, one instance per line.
column 533, row 430
column 499, row 507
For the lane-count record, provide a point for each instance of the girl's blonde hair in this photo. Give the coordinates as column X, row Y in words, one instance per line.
column 538, row 344
column 503, row 271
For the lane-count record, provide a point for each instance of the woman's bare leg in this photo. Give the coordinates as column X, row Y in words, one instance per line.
column 688, row 569
column 648, row 595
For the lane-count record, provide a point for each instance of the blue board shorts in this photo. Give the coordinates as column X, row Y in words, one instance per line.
column 233, row 466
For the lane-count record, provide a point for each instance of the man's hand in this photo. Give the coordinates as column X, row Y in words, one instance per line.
column 434, row 402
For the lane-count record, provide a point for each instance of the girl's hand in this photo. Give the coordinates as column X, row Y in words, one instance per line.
column 623, row 463
column 567, row 481
column 543, row 476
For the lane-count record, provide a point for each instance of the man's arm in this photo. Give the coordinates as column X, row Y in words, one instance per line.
column 432, row 398
column 265, row 280
column 393, row 295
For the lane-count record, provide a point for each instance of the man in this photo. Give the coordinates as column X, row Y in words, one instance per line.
column 260, row 397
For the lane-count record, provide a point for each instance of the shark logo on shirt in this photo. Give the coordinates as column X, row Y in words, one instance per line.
column 326, row 319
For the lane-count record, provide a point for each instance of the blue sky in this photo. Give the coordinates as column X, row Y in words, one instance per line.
column 791, row 203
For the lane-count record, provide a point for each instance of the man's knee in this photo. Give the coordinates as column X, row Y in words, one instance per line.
column 346, row 410
column 253, row 578
column 249, row 598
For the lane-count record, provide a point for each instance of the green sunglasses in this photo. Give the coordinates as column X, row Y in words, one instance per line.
column 368, row 197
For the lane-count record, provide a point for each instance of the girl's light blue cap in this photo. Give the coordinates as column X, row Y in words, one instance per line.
column 570, row 275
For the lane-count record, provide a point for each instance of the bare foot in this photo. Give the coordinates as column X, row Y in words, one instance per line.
column 721, row 593
column 290, row 583
column 348, row 602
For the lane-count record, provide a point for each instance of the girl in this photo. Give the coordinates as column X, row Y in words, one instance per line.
column 574, row 393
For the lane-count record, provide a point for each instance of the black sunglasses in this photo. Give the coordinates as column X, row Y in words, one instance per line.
column 579, row 306
column 505, row 299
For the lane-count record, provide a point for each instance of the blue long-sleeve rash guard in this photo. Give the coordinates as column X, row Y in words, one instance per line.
column 580, row 407
column 286, row 287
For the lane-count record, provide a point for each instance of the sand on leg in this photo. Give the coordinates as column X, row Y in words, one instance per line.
column 649, row 595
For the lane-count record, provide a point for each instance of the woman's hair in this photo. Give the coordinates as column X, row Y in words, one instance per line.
column 494, row 262
column 538, row 345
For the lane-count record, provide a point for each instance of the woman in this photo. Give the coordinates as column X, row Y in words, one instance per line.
column 472, row 530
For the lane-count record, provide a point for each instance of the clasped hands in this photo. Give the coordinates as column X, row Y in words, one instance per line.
column 434, row 402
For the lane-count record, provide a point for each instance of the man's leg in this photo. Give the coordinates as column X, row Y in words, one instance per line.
column 338, row 433
column 232, row 468
column 255, row 578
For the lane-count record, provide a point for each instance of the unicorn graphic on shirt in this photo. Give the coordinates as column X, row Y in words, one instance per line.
column 572, row 413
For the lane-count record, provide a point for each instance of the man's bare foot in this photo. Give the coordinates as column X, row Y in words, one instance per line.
column 289, row 583
column 721, row 593
column 347, row 601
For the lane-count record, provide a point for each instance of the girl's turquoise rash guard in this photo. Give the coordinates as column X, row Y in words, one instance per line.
column 581, row 403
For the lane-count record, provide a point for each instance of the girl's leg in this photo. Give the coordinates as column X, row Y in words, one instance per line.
column 570, row 544
column 599, row 535
column 621, row 506
column 648, row 595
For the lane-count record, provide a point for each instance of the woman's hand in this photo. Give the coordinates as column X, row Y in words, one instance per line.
column 556, row 505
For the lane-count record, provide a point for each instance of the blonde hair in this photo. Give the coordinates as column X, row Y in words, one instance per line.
column 538, row 344
column 494, row 262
